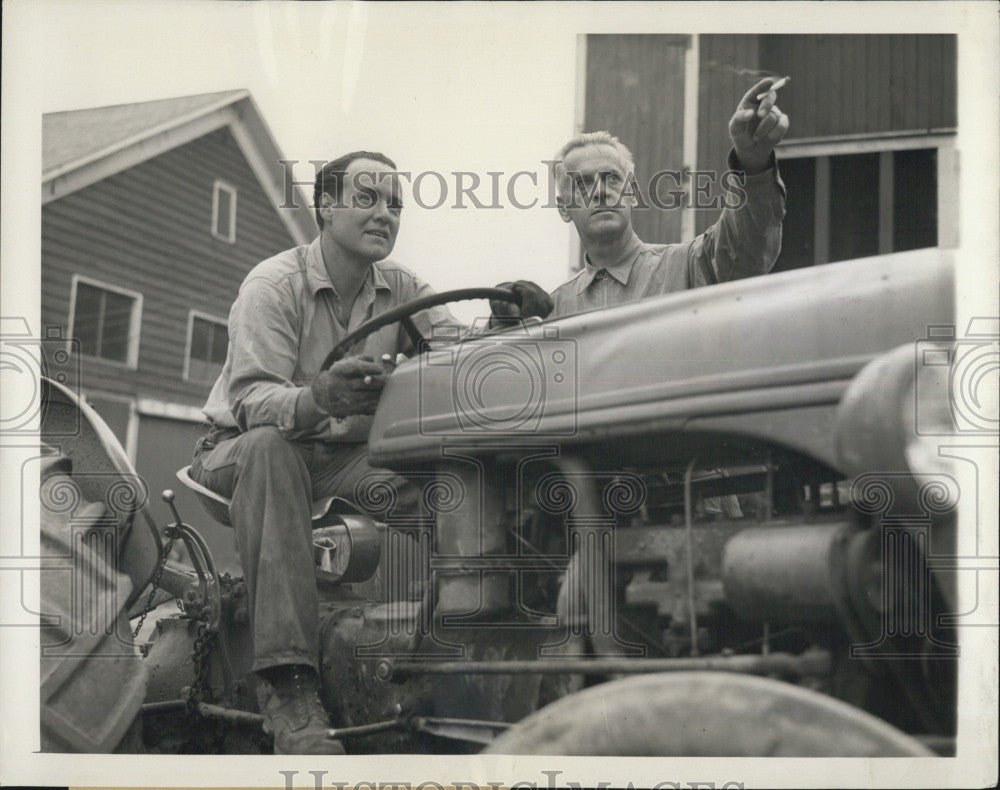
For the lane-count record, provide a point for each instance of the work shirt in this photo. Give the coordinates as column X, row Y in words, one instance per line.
column 743, row 243
column 283, row 325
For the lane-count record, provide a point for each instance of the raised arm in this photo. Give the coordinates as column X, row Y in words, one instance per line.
column 746, row 240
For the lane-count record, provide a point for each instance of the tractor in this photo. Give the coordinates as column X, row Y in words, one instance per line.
column 705, row 523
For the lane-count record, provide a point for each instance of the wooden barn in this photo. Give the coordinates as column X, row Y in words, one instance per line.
column 152, row 214
column 869, row 159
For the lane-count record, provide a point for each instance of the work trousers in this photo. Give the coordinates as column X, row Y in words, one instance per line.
column 272, row 483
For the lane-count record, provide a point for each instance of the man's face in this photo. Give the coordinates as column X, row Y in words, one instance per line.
column 365, row 221
column 591, row 189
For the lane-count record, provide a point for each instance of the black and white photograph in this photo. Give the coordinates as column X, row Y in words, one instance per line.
column 509, row 395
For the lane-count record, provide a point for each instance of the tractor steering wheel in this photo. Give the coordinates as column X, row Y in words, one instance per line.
column 404, row 311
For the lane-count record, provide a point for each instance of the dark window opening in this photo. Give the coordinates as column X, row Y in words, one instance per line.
column 102, row 322
column 914, row 222
column 209, row 343
column 844, row 207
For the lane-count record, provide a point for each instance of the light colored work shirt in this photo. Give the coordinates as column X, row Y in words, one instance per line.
column 283, row 325
column 745, row 242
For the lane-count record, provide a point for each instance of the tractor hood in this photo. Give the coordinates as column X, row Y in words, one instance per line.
column 715, row 356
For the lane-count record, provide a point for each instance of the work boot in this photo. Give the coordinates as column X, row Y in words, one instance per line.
column 293, row 713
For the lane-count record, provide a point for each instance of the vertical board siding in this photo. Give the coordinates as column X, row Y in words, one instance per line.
column 149, row 229
column 727, row 69
column 864, row 84
column 635, row 91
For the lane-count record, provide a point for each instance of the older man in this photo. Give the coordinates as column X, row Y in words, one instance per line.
column 595, row 191
column 284, row 433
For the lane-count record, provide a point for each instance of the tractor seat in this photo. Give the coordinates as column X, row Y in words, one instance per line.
column 218, row 505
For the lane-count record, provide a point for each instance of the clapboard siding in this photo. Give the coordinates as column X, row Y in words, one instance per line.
column 148, row 229
column 635, row 90
column 864, row 84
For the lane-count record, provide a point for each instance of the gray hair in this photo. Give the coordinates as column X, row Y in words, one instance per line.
column 592, row 138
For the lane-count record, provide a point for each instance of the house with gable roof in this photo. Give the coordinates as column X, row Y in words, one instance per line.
column 152, row 215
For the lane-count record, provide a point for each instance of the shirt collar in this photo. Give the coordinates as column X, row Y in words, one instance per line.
column 315, row 270
column 620, row 269
column 318, row 278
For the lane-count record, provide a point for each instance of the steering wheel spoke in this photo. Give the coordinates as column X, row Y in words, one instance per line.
column 411, row 331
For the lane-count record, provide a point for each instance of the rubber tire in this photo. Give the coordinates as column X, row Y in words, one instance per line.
column 704, row 714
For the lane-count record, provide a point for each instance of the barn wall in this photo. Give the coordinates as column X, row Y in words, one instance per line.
column 635, row 90
column 864, row 84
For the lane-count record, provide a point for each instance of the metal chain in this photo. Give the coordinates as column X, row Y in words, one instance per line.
column 154, row 584
column 199, row 658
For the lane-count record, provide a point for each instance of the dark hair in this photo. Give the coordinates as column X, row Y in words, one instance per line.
column 331, row 178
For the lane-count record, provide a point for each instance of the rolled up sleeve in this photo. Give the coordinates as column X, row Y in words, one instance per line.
column 746, row 241
column 263, row 337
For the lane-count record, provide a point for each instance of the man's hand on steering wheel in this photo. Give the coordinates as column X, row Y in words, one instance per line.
column 534, row 301
column 350, row 386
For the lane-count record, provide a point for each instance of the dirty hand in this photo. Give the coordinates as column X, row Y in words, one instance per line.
column 757, row 127
column 534, row 301
column 350, row 386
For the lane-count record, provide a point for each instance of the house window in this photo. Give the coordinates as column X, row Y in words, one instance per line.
column 105, row 321
column 118, row 411
column 857, row 204
column 224, row 212
column 208, row 340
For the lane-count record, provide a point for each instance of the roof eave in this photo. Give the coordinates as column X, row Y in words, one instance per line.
column 239, row 112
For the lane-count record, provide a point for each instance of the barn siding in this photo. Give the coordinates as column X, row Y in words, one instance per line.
column 635, row 90
column 841, row 85
column 728, row 67
column 864, row 84
column 148, row 229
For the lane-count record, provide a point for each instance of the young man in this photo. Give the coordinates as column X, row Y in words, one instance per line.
column 284, row 434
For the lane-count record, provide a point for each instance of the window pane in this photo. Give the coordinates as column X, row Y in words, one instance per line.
column 220, row 343
column 117, row 322
column 798, row 228
column 87, row 317
column 222, row 218
column 200, row 370
column 915, row 199
column 115, row 413
column 199, row 339
column 853, row 206
column 209, row 341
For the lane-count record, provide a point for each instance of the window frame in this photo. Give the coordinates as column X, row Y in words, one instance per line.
column 132, row 429
column 135, row 320
column 217, row 187
column 192, row 315
column 885, row 145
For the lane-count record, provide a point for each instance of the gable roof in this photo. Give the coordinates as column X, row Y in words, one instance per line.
column 81, row 147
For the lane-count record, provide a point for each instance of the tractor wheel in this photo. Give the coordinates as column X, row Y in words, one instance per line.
column 704, row 714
